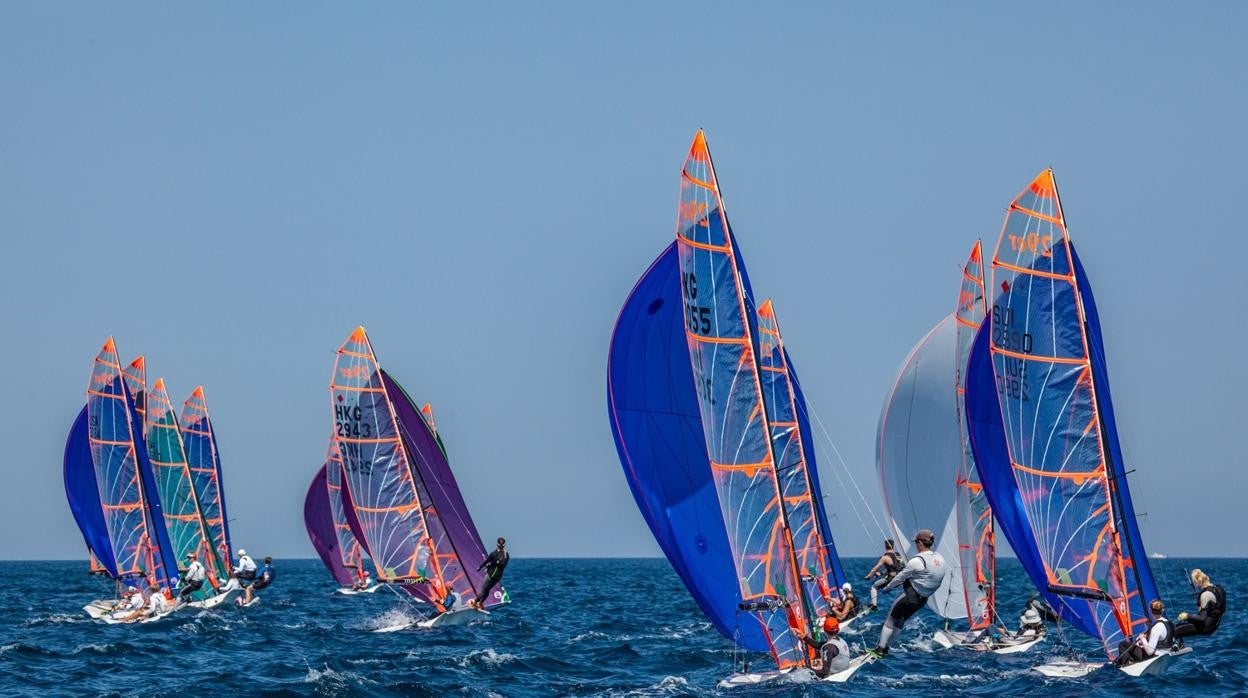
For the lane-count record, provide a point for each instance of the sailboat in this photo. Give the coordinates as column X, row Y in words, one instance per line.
column 328, row 517
column 111, row 488
column 413, row 521
column 1045, row 441
column 184, row 515
column 711, row 429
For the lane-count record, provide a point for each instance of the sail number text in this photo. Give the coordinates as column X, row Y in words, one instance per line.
column 1013, row 382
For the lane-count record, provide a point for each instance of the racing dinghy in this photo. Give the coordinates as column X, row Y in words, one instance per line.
column 111, row 487
column 710, row 425
column 412, row 520
column 185, row 518
column 1044, row 438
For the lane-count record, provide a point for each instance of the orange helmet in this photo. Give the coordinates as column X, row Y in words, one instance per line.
column 831, row 625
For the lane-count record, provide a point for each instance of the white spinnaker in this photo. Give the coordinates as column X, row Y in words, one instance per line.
column 918, row 451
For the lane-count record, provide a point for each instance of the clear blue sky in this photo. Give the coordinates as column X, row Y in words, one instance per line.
column 232, row 189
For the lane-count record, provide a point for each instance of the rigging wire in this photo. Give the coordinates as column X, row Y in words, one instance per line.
column 827, row 438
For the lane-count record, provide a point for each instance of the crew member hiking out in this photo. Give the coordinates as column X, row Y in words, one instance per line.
column 1160, row 636
column 1210, row 605
column 885, row 569
column 845, row 607
column 920, row 578
column 833, row 653
column 266, row 577
column 493, row 565
column 193, row 579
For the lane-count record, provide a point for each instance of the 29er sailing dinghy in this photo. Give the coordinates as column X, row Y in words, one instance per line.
column 927, row 473
column 711, row 428
column 412, row 519
column 111, row 488
column 1042, row 428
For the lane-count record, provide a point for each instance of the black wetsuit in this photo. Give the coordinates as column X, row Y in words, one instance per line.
column 1205, row 621
column 494, row 566
column 190, row 587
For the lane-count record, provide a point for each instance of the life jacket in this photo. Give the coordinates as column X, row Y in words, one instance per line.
column 1219, row 603
column 896, row 564
column 1169, row 641
column 850, row 598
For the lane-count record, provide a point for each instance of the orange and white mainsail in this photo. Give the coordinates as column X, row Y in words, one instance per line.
column 976, row 540
column 720, row 336
column 378, row 471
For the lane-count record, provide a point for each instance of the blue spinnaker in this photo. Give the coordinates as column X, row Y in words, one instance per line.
column 657, row 426
column 84, row 495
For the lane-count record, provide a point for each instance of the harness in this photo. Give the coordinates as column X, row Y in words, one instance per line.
column 896, row 565
column 1215, row 611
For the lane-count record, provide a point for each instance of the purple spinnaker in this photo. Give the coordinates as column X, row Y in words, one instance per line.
column 319, row 520
column 432, row 467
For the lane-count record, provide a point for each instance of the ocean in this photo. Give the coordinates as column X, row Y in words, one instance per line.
column 576, row 627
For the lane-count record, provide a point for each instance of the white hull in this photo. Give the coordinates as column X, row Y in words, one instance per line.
column 1149, row 667
column 797, row 675
column 100, row 607
column 1154, row 665
column 974, row 641
column 348, row 591
column 459, row 616
column 214, row 601
column 116, row 618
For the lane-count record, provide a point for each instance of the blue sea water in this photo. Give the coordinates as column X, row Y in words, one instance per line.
column 576, row 627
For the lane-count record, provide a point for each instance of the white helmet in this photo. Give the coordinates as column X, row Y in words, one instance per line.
column 241, row 552
column 847, row 587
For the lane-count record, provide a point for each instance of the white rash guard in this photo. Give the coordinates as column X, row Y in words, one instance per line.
column 925, row 572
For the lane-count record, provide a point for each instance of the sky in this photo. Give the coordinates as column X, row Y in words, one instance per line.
column 231, row 189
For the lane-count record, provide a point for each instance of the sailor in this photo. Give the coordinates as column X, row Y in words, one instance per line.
column 885, row 569
column 363, row 582
column 156, row 605
column 265, row 578
column 1160, row 636
column 132, row 600
column 493, row 565
column 920, row 578
column 245, row 570
column 833, row 652
column 1210, row 604
column 1030, row 624
column 847, row 607
column 193, row 579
